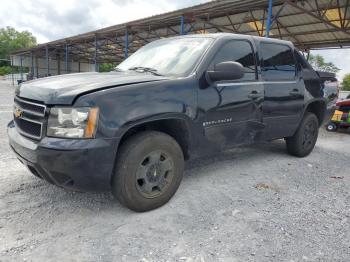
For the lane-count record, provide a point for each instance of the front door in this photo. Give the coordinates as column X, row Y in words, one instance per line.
column 232, row 110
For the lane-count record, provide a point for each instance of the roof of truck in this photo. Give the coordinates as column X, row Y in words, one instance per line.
column 239, row 36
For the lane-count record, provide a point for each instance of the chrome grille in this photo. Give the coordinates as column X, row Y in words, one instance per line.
column 29, row 117
column 30, row 107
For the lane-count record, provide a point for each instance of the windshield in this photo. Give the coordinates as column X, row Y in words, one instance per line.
column 170, row 57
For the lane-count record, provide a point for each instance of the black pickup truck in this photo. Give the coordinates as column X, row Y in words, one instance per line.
column 131, row 130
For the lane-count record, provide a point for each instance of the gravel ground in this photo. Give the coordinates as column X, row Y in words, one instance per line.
column 248, row 204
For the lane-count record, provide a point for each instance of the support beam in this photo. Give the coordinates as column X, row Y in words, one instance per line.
column 220, row 28
column 259, row 31
column 116, row 42
column 277, row 15
column 231, row 23
column 182, row 25
column 346, row 15
column 269, row 17
column 58, row 60
column 31, row 64
column 317, row 17
column 288, row 32
column 66, row 55
column 13, row 79
column 47, row 61
column 21, row 67
column 222, row 16
column 95, row 55
column 36, row 67
column 126, row 44
column 172, row 30
column 192, row 25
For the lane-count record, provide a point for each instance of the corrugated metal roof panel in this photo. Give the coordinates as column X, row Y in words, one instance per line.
column 308, row 23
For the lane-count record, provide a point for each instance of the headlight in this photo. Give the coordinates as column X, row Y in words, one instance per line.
column 72, row 122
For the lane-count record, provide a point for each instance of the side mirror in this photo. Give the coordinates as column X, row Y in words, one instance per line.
column 226, row 71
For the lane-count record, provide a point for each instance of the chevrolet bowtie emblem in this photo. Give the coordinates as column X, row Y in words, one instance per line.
column 18, row 112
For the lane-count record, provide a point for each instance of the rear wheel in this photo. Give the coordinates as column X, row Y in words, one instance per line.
column 303, row 141
column 148, row 172
column 331, row 127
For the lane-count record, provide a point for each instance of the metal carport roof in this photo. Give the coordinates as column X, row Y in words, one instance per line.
column 310, row 24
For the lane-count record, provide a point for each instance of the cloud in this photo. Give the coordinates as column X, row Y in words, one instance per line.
column 50, row 20
column 339, row 57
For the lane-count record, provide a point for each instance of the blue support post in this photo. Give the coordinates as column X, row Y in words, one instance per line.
column 269, row 18
column 182, row 25
column 126, row 44
column 47, row 61
column 66, row 59
column 96, row 50
column 21, row 67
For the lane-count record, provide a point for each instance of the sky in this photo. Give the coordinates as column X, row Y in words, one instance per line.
column 340, row 57
column 50, row 20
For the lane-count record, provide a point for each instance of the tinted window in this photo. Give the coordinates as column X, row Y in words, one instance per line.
column 277, row 62
column 237, row 51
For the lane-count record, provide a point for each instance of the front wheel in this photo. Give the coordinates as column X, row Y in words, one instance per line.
column 149, row 170
column 303, row 141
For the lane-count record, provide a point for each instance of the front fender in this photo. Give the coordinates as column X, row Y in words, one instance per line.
column 121, row 109
column 153, row 118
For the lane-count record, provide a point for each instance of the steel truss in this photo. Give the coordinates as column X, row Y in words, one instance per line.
column 310, row 24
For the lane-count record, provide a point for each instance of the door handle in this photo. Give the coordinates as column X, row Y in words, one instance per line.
column 295, row 92
column 254, row 95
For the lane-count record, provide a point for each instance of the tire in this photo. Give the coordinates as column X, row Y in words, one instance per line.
column 149, row 170
column 303, row 141
column 331, row 127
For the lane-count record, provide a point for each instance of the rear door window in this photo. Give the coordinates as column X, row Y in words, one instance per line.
column 277, row 62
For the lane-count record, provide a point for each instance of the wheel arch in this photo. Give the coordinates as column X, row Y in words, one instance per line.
column 174, row 125
column 317, row 107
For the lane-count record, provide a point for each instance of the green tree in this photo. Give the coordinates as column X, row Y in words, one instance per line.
column 318, row 63
column 106, row 67
column 10, row 41
column 346, row 83
column 4, row 70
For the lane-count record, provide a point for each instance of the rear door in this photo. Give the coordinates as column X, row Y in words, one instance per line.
column 284, row 90
column 233, row 109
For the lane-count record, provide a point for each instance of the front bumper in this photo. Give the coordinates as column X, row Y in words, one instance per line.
column 83, row 164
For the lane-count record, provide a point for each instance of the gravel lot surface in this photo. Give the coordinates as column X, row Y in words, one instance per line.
column 248, row 204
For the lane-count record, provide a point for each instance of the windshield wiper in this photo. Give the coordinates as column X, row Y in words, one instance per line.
column 145, row 69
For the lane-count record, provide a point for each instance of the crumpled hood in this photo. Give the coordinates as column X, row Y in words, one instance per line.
column 63, row 89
